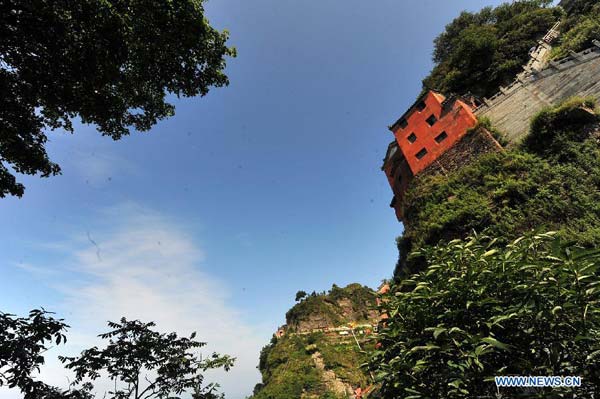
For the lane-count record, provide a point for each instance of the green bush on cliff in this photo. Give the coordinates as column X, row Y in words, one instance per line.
column 287, row 370
column 556, row 131
column 313, row 305
column 345, row 360
column 551, row 183
column 482, row 309
column 327, row 305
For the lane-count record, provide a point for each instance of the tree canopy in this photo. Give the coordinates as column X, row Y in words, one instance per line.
column 23, row 341
column 144, row 363
column 141, row 362
column 478, row 52
column 580, row 27
column 110, row 63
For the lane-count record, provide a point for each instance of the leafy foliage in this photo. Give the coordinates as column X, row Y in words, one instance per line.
column 135, row 351
column 478, row 52
column 300, row 295
column 482, row 309
column 110, row 63
column 554, row 129
column 23, row 341
column 345, row 360
column 581, row 26
column 551, row 183
column 486, row 123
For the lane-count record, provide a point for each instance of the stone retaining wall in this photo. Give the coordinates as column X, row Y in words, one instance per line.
column 513, row 107
column 465, row 151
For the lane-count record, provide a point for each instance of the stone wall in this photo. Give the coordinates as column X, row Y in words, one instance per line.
column 513, row 107
column 474, row 144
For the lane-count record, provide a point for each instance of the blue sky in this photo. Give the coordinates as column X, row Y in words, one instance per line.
column 216, row 217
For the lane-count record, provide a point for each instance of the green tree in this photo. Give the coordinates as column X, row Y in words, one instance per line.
column 581, row 26
column 23, row 341
column 300, row 295
column 109, row 62
column 478, row 52
column 482, row 309
column 135, row 351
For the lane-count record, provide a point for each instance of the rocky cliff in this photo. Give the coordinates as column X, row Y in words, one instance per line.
column 319, row 353
column 354, row 303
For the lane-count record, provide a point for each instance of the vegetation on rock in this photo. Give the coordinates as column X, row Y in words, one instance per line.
column 291, row 365
column 289, row 371
column 340, row 305
column 551, row 182
column 478, row 52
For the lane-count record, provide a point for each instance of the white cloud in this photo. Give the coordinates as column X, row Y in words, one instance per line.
column 97, row 167
column 149, row 269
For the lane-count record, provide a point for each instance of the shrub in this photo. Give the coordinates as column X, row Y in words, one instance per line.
column 579, row 29
column 553, row 127
column 482, row 309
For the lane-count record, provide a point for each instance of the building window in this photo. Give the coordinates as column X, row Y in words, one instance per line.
column 431, row 120
column 421, row 153
column 421, row 106
column 441, row 137
column 412, row 138
column 403, row 123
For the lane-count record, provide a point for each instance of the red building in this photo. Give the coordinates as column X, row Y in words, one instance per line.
column 427, row 130
column 431, row 126
column 399, row 175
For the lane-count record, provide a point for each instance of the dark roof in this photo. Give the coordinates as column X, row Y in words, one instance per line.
column 411, row 108
column 418, row 100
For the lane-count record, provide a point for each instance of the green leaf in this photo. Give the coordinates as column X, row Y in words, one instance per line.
column 438, row 331
column 495, row 343
column 490, row 253
column 556, row 309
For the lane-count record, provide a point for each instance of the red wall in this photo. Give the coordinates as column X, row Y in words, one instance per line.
column 455, row 122
column 399, row 176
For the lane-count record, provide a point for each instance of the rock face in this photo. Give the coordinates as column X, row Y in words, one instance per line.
column 333, row 383
column 475, row 143
column 326, row 339
column 352, row 304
